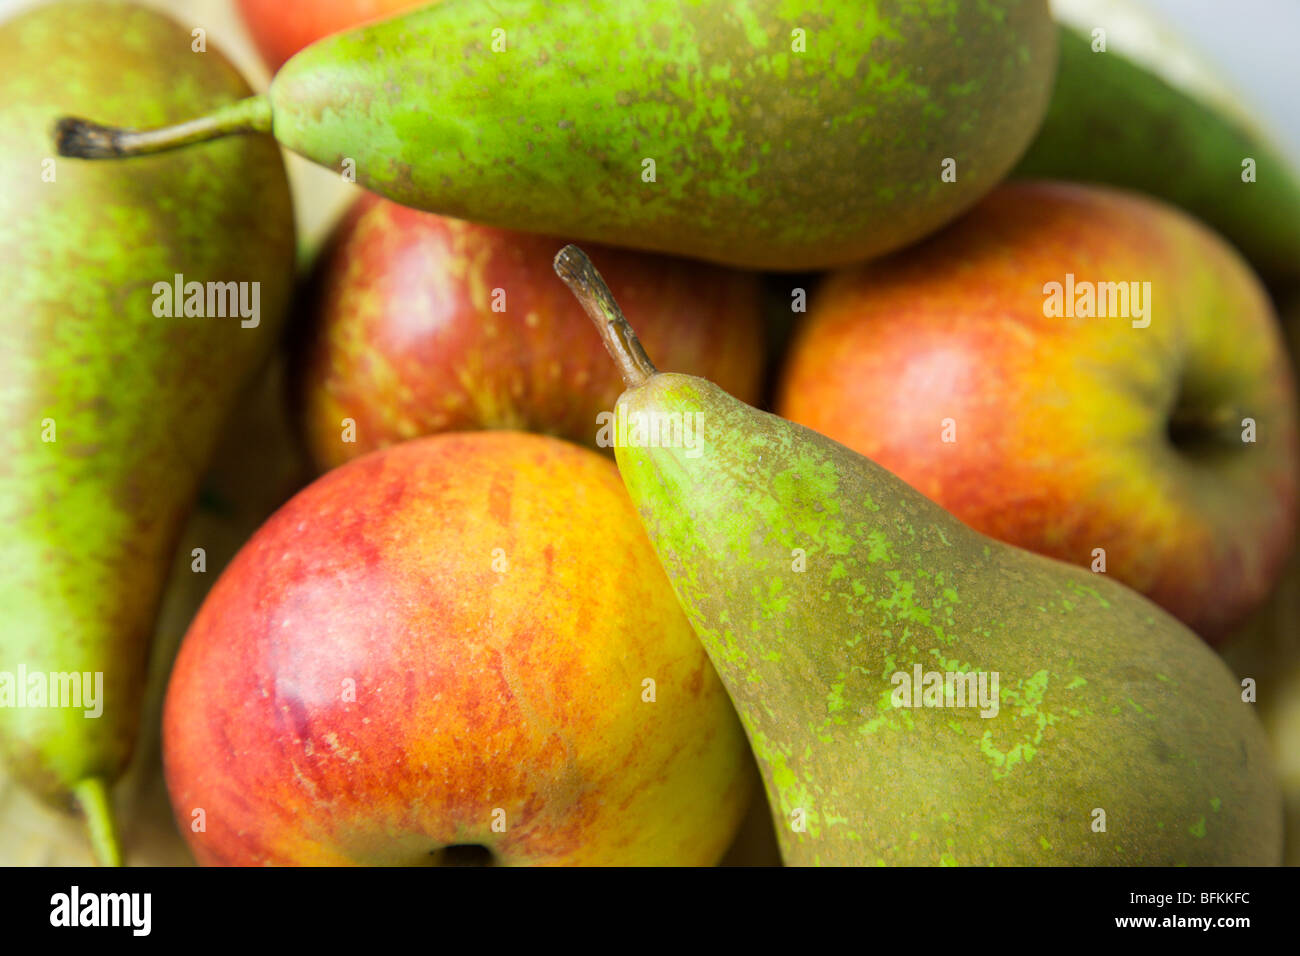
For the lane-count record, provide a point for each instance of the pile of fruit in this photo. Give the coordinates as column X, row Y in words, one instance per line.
column 940, row 509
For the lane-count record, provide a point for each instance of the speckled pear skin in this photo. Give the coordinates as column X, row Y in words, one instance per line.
column 764, row 157
column 89, row 523
column 1105, row 701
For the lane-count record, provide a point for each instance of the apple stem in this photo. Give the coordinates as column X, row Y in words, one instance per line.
column 573, row 266
column 93, row 799
column 82, row 139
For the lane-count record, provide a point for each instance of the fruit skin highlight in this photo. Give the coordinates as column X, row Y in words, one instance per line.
column 816, row 579
column 110, row 413
column 446, row 628
column 1072, row 433
column 776, row 134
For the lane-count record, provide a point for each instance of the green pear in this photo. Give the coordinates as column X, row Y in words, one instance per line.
column 915, row 692
column 113, row 387
column 779, row 134
column 1145, row 113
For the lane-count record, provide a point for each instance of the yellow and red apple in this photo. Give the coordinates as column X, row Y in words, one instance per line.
column 461, row 641
column 421, row 324
column 1160, row 447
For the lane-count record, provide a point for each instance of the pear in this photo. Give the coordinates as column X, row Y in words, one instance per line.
column 1147, row 114
column 112, row 388
column 915, row 692
column 780, row 134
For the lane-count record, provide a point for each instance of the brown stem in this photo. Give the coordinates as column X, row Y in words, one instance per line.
column 82, row 139
column 573, row 266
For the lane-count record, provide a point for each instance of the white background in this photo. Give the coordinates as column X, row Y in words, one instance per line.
column 1257, row 45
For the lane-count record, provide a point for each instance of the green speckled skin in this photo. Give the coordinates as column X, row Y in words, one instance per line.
column 1105, row 701
column 764, row 157
column 1112, row 121
column 89, row 523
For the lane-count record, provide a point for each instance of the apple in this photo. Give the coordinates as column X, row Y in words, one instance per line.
column 280, row 29
column 458, row 648
column 421, row 324
column 1156, row 442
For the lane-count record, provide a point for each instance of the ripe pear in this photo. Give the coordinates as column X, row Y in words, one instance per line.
column 915, row 692
column 111, row 397
column 779, row 134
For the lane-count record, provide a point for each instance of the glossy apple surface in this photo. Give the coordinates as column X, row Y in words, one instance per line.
column 461, row 641
column 421, row 324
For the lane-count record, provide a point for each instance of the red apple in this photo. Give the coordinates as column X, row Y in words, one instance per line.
column 967, row 366
column 423, row 324
column 280, row 29
column 464, row 640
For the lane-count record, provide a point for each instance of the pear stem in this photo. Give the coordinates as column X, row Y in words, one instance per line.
column 92, row 796
column 573, row 266
column 82, row 139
